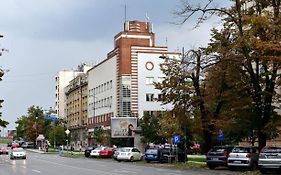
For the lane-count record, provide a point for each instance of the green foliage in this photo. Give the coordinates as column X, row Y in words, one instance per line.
column 31, row 125
column 150, row 129
column 249, row 44
column 57, row 135
column 102, row 136
column 3, row 123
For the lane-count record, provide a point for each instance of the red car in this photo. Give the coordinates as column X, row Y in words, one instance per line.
column 107, row 152
column 4, row 151
column 15, row 145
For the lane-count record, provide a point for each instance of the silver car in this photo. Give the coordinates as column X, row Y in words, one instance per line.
column 243, row 156
column 17, row 153
column 270, row 158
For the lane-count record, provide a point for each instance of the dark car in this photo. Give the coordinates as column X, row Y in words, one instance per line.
column 89, row 149
column 153, row 154
column 172, row 154
column 218, row 155
column 165, row 155
column 28, row 145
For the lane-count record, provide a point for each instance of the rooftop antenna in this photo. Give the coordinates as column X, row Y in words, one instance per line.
column 125, row 17
column 146, row 19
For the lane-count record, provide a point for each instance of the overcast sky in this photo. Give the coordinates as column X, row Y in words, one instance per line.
column 46, row 36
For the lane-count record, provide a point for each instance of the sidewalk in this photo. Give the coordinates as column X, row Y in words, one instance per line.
column 36, row 151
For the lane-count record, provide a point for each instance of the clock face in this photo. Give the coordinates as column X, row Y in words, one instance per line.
column 149, row 65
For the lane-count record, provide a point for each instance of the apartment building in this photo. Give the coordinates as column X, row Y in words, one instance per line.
column 76, row 109
column 62, row 79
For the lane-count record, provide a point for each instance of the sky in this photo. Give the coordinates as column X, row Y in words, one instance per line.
column 46, row 36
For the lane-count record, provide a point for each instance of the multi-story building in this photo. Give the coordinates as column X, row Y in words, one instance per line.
column 62, row 79
column 76, row 108
column 122, row 84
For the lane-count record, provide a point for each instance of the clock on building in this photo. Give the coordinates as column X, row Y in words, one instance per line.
column 149, row 65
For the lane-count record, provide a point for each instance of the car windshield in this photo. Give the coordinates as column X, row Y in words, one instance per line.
column 218, row 149
column 125, row 150
column 272, row 150
column 241, row 150
column 98, row 148
column 151, row 151
column 18, row 150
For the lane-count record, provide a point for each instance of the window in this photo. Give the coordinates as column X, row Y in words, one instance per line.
column 149, row 80
column 149, row 97
column 160, row 97
column 110, row 84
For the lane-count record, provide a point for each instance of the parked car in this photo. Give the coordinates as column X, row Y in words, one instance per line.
column 153, row 154
column 4, row 150
column 129, row 154
column 217, row 156
column 116, row 152
column 17, row 153
column 28, row 145
column 9, row 144
column 88, row 150
column 242, row 156
column 15, row 145
column 96, row 151
column 270, row 159
column 106, row 152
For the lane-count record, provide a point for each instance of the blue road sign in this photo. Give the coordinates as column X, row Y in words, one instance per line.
column 51, row 117
column 176, row 139
column 220, row 136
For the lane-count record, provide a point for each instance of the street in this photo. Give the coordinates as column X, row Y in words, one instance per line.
column 53, row 164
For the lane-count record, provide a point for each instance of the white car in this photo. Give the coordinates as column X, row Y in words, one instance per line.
column 17, row 153
column 129, row 154
column 96, row 151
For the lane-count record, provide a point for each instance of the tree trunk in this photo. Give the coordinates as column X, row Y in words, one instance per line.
column 262, row 139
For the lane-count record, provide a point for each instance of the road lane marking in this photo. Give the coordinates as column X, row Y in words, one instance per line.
column 80, row 168
column 23, row 166
column 37, row 171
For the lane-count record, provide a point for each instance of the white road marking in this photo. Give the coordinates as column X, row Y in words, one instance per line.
column 80, row 168
column 37, row 171
column 23, row 166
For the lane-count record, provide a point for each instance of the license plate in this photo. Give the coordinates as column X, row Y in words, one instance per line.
column 236, row 161
column 215, row 158
column 149, row 155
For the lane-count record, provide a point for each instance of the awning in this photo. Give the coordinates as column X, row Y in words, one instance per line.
column 40, row 137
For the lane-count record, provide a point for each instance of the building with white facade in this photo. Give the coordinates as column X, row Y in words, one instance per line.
column 62, row 79
column 122, row 84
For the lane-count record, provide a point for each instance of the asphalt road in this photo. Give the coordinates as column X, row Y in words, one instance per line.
column 47, row 164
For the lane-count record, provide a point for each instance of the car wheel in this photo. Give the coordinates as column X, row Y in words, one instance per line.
column 263, row 171
column 148, row 161
column 132, row 158
column 211, row 167
column 118, row 160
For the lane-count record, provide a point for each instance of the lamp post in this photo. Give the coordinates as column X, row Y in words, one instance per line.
column 36, row 129
column 67, row 133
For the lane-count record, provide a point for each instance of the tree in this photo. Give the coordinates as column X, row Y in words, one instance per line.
column 57, row 135
column 254, row 29
column 31, row 125
column 102, row 136
column 150, row 125
column 184, row 87
column 3, row 123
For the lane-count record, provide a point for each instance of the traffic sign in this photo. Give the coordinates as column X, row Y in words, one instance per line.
column 220, row 136
column 176, row 139
column 67, row 132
